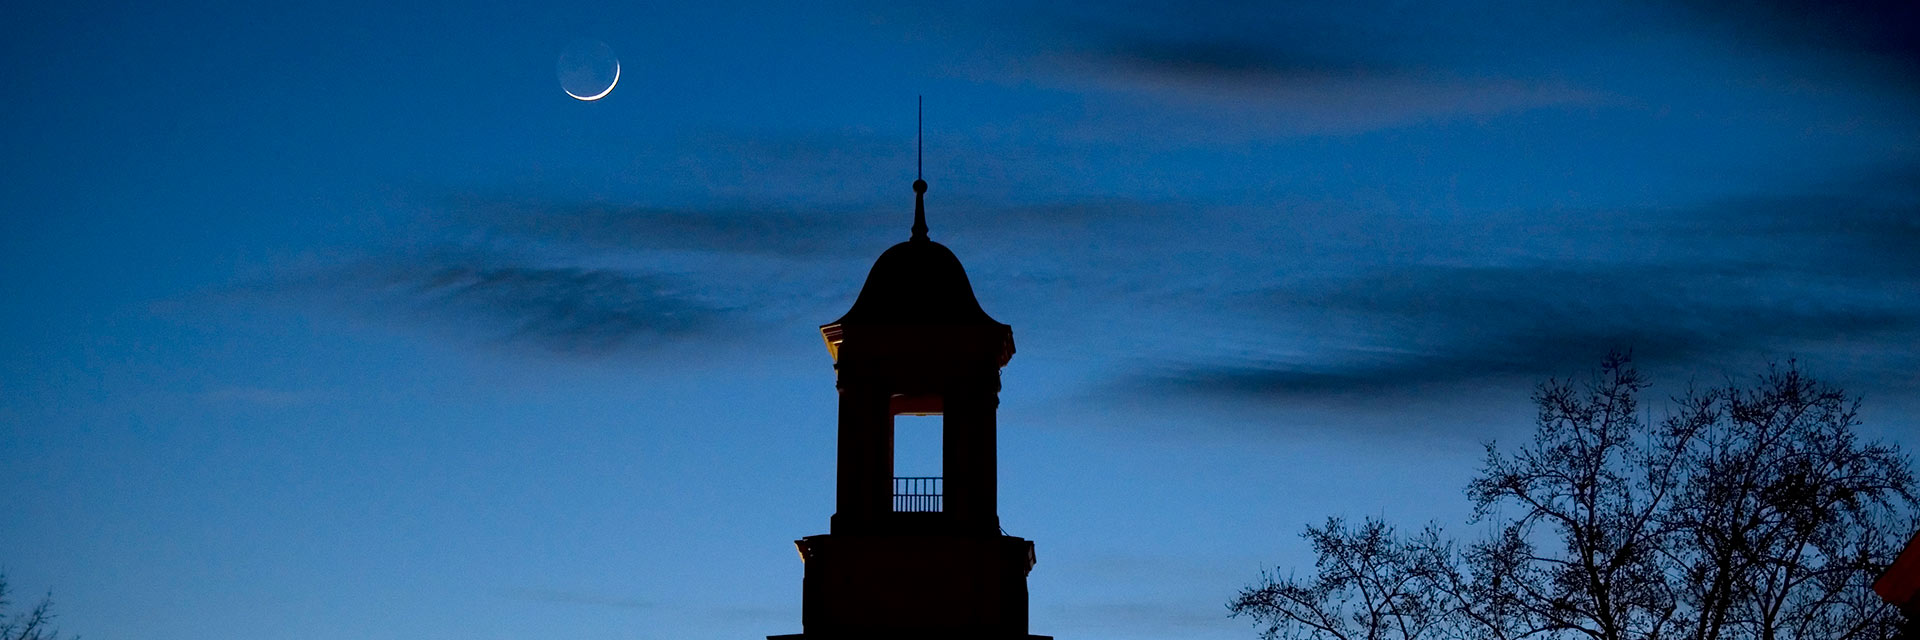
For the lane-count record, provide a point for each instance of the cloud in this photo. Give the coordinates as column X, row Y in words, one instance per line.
column 768, row 615
column 727, row 229
column 1433, row 326
column 1869, row 234
column 1882, row 28
column 591, row 278
column 577, row 597
column 1228, row 61
column 1287, row 69
column 1359, row 302
column 852, row 233
column 559, row 308
column 1491, row 296
column 1144, row 618
column 569, row 309
column 1827, row 273
column 1264, row 90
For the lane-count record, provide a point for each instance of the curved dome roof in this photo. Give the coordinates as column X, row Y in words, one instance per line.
column 917, row 282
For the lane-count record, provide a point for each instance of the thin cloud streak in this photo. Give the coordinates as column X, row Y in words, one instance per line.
column 1737, row 280
column 570, row 309
column 578, row 597
column 1279, row 71
column 1879, row 28
column 1468, row 297
column 562, row 309
column 734, row 230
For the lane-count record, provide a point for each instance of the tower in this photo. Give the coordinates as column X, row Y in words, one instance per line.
column 916, row 558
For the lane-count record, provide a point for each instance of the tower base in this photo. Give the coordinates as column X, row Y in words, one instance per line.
column 914, row 587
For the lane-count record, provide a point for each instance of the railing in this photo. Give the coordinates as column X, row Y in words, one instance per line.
column 916, row 495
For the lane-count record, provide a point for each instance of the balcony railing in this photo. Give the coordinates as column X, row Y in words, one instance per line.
column 916, row 495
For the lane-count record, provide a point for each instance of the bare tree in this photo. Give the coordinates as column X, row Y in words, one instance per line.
column 1746, row 513
column 34, row 624
column 1784, row 518
column 1596, row 478
column 1368, row 584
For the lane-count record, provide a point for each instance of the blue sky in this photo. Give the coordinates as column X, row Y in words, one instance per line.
column 343, row 321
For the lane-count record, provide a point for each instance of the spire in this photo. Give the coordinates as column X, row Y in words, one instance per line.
column 919, row 183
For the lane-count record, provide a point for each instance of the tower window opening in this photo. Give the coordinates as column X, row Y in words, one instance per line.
column 917, row 463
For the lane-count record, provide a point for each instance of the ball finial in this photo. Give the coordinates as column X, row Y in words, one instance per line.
column 919, row 186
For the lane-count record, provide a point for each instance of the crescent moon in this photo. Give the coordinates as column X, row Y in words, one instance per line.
column 602, row 94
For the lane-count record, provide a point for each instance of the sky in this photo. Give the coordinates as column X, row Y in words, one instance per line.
column 344, row 321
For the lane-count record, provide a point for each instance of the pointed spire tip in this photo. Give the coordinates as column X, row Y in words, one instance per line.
column 919, row 182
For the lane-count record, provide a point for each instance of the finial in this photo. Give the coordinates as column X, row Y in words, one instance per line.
column 919, row 210
column 919, row 183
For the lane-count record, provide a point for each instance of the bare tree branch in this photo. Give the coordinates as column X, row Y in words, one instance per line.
column 1747, row 512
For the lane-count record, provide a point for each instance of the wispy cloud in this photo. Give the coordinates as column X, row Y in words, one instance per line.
column 562, row 308
column 578, row 597
column 569, row 308
column 1144, row 618
column 1821, row 274
column 1427, row 326
column 1264, row 88
column 1879, row 28
column 1286, row 299
column 796, row 233
column 1286, row 69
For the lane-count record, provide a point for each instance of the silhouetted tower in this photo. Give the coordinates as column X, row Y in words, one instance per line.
column 913, row 558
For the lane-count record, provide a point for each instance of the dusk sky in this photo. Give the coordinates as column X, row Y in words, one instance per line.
column 343, row 321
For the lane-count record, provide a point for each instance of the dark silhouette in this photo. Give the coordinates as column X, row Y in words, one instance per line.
column 34, row 624
column 1900, row 587
column 1748, row 512
column 916, row 557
